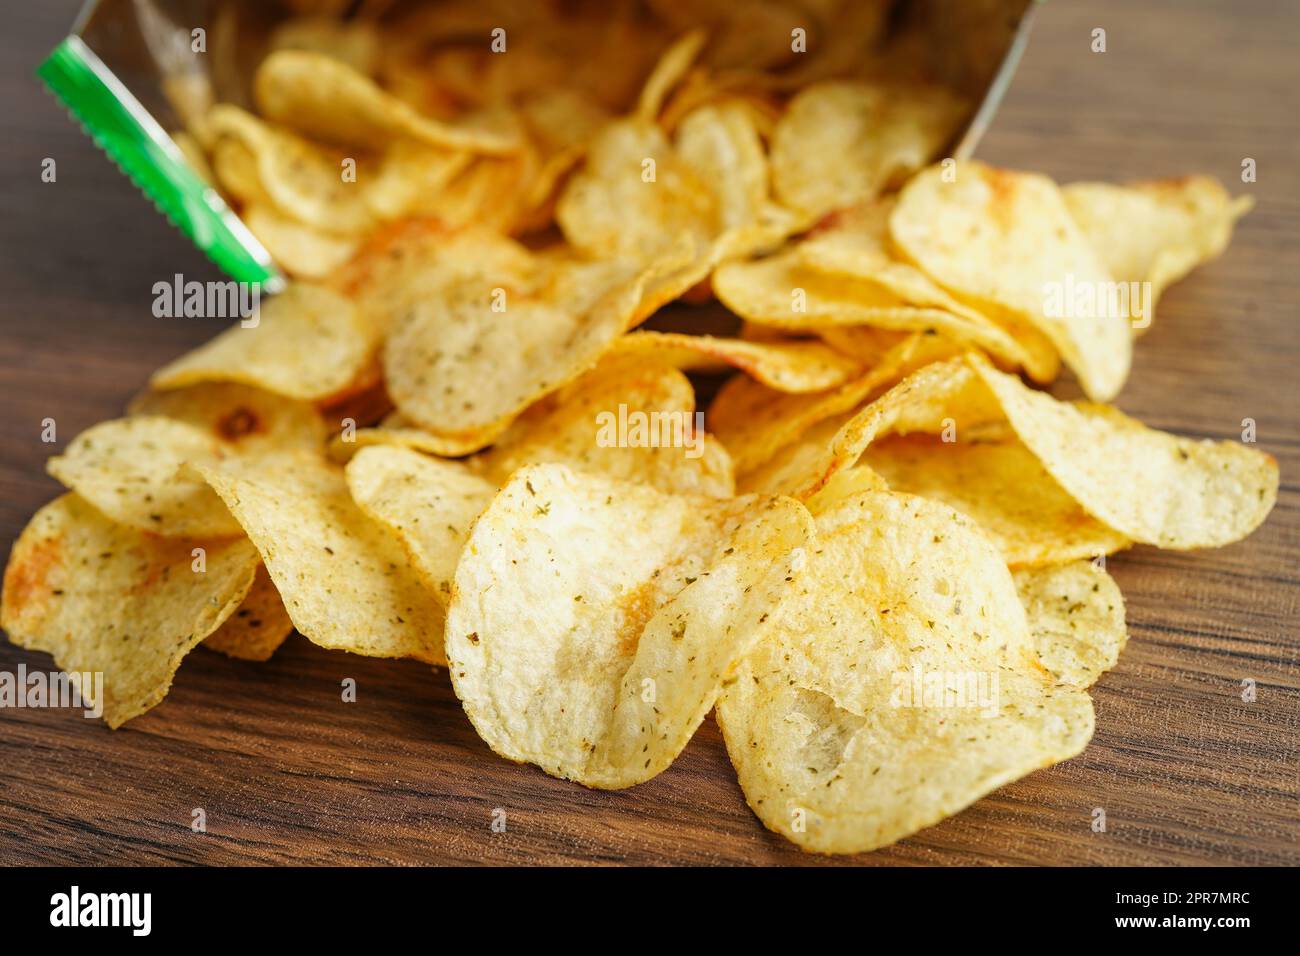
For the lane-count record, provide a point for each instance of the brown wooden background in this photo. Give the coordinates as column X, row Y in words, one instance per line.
column 1186, row 772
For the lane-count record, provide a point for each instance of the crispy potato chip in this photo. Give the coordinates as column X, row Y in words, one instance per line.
column 579, row 426
column 354, row 42
column 257, row 628
column 1004, row 488
column 785, row 366
column 856, row 245
column 1146, row 485
column 1005, row 243
column 465, row 364
column 781, row 291
column 668, row 72
column 102, row 597
column 253, row 421
column 755, row 422
column 309, row 343
column 1076, row 615
column 130, row 469
column 329, row 101
column 302, row 251
column 346, row 584
column 867, row 713
column 303, row 179
column 1155, row 232
column 427, row 504
column 413, row 261
column 638, row 194
column 410, row 178
column 595, row 661
column 842, row 142
column 1154, row 487
column 634, row 196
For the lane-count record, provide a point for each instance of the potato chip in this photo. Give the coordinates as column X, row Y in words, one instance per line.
column 102, row 597
column 354, row 42
column 840, row 143
column 1155, row 232
column 252, row 421
column 427, row 504
column 329, row 101
column 785, row 366
column 464, row 364
column 413, row 261
column 638, row 194
column 580, row 426
column 346, row 584
column 257, row 628
column 302, row 251
column 304, row 180
column 130, row 469
column 308, row 343
column 409, row 179
column 634, row 196
column 1146, row 485
column 782, row 292
column 596, row 661
column 755, row 422
column 1154, row 487
column 868, row 712
column 1005, row 243
column 1004, row 488
column 668, row 72
column 1076, row 616
column 856, row 245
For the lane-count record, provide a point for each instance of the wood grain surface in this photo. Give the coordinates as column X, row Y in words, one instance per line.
column 1184, row 769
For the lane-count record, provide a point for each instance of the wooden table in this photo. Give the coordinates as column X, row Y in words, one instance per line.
column 1184, row 769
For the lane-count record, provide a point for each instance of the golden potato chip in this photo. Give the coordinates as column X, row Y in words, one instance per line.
column 304, row 180
column 840, row 143
column 425, row 503
column 856, row 245
column 104, row 598
column 257, row 628
column 1005, row 243
column 755, row 422
column 253, row 421
column 302, row 251
column 346, row 584
column 865, row 713
column 235, row 167
column 596, row 661
column 1146, row 485
column 668, row 72
column 130, row 469
column 463, row 364
column 354, row 42
column 329, row 101
column 629, row 420
column 1155, row 232
column 638, row 194
column 413, row 261
column 782, row 292
column 308, row 343
column 1154, row 487
column 1004, row 488
column 409, row 179
column 1076, row 616
column 788, row 366
column 397, row 431
column 634, row 196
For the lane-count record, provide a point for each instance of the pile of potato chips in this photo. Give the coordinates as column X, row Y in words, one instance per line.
column 882, row 563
